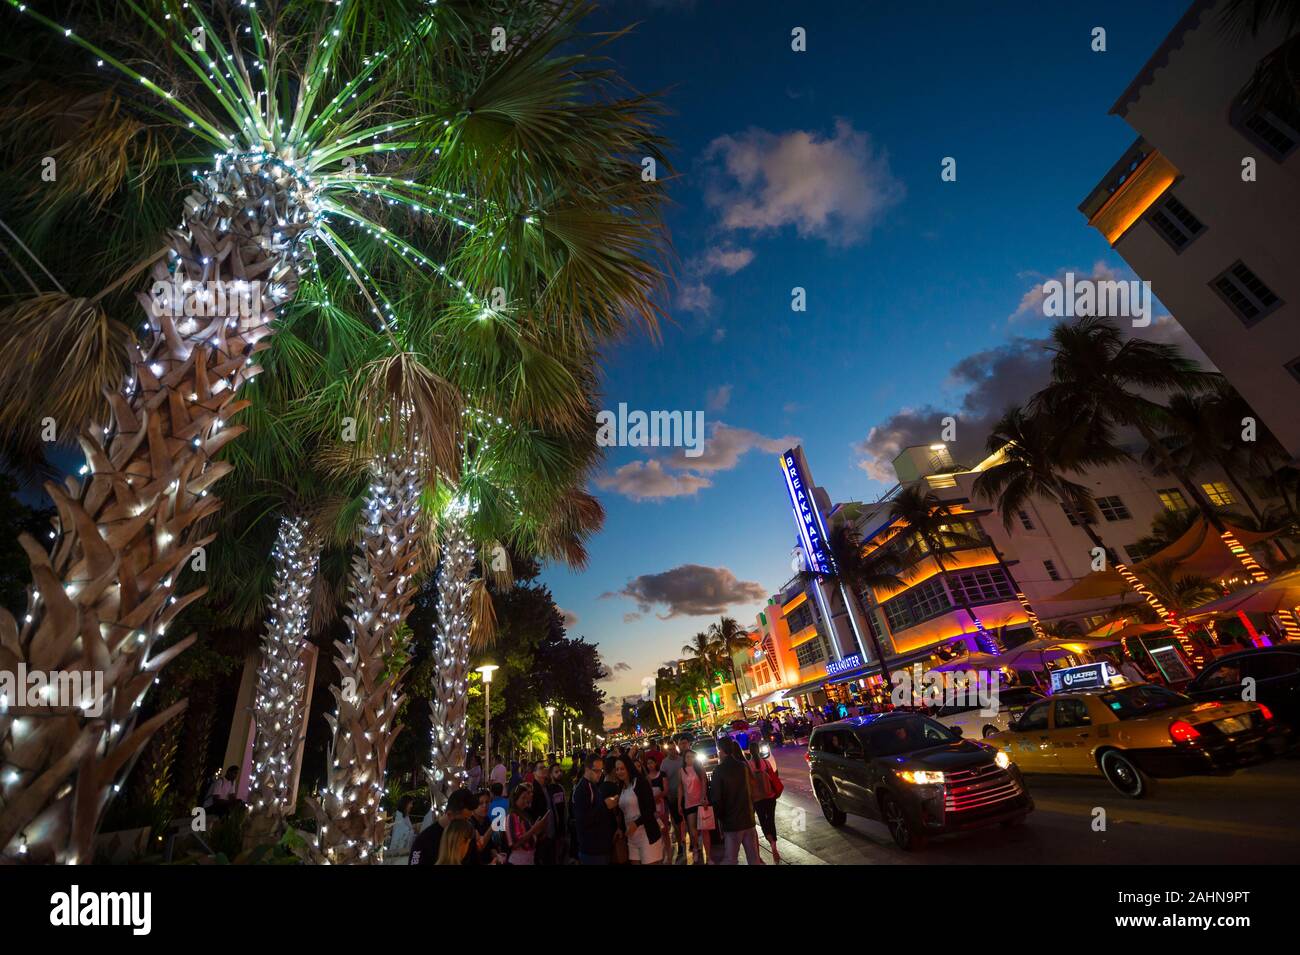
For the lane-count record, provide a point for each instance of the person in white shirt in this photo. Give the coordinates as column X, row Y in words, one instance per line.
column 402, row 833
column 223, row 794
column 499, row 772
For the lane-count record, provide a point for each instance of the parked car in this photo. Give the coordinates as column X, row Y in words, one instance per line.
column 917, row 776
column 1012, row 702
column 1274, row 670
column 1134, row 733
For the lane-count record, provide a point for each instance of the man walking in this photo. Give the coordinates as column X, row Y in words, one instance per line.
column 733, row 805
column 592, row 818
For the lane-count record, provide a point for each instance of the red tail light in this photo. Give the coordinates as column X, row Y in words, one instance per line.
column 1180, row 731
column 1268, row 714
column 807, row 756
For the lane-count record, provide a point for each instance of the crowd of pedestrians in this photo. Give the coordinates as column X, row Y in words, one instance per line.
column 666, row 804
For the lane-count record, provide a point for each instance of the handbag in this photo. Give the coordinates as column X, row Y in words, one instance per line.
column 704, row 819
column 618, row 853
column 774, row 778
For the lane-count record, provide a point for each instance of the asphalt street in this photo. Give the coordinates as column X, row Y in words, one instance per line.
column 1249, row 817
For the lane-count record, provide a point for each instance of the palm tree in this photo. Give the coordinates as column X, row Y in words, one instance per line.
column 1036, row 454
column 1099, row 377
column 703, row 653
column 728, row 637
column 357, row 142
column 857, row 574
column 931, row 522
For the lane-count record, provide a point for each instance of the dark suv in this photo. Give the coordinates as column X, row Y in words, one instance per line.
column 1276, row 675
column 915, row 775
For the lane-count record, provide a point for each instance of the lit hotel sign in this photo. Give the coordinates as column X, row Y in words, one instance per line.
column 807, row 515
column 850, row 662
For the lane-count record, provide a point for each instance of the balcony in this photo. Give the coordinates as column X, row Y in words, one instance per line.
column 1130, row 188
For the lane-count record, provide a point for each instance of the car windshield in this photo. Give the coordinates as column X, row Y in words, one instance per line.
column 706, row 746
column 904, row 734
column 1134, row 701
column 1019, row 696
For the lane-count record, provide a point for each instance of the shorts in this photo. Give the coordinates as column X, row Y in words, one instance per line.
column 641, row 849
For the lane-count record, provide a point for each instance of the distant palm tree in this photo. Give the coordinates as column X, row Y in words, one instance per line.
column 858, row 573
column 931, row 521
column 729, row 637
column 704, row 656
column 1037, row 453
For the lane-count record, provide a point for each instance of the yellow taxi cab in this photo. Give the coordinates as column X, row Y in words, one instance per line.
column 1134, row 732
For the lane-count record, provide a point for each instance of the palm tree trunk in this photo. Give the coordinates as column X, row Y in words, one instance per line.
column 1279, row 552
column 1023, row 600
column 980, row 629
column 102, row 600
column 449, row 707
column 371, row 665
column 281, row 676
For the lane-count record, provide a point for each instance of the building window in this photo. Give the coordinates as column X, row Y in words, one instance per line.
column 916, row 605
column 811, row 651
column 983, row 586
column 1025, row 522
column 800, row 617
column 1052, row 572
column 1244, row 293
column 1113, row 509
column 1073, row 517
column 1273, row 124
column 1137, row 553
column 1293, row 366
column 1172, row 498
column 1175, row 223
column 1218, row 494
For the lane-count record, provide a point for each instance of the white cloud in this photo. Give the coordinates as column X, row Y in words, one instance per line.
column 836, row 189
column 648, row 481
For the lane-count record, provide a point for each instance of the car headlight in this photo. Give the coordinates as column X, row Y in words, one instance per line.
column 765, row 751
column 1002, row 759
column 701, row 758
column 920, row 777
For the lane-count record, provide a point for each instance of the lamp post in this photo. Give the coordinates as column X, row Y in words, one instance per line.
column 550, row 721
column 487, row 670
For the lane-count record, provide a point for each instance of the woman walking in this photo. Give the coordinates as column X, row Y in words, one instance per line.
column 692, row 793
column 766, row 786
column 659, row 786
column 636, row 802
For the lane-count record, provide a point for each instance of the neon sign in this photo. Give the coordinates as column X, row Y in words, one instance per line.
column 848, row 663
column 807, row 515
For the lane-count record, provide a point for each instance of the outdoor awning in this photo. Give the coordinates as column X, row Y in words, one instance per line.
column 1199, row 551
column 766, row 698
column 1270, row 596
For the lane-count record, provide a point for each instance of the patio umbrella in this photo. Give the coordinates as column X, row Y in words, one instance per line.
column 1270, row 596
column 972, row 661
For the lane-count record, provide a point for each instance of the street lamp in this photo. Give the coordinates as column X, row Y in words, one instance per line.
column 550, row 719
column 487, row 669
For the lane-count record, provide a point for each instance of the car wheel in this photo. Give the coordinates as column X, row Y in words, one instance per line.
column 1122, row 773
column 989, row 731
column 833, row 815
column 900, row 827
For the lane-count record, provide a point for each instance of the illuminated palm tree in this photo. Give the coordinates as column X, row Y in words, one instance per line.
column 354, row 132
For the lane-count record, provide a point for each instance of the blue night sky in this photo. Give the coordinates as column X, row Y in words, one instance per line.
column 822, row 170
